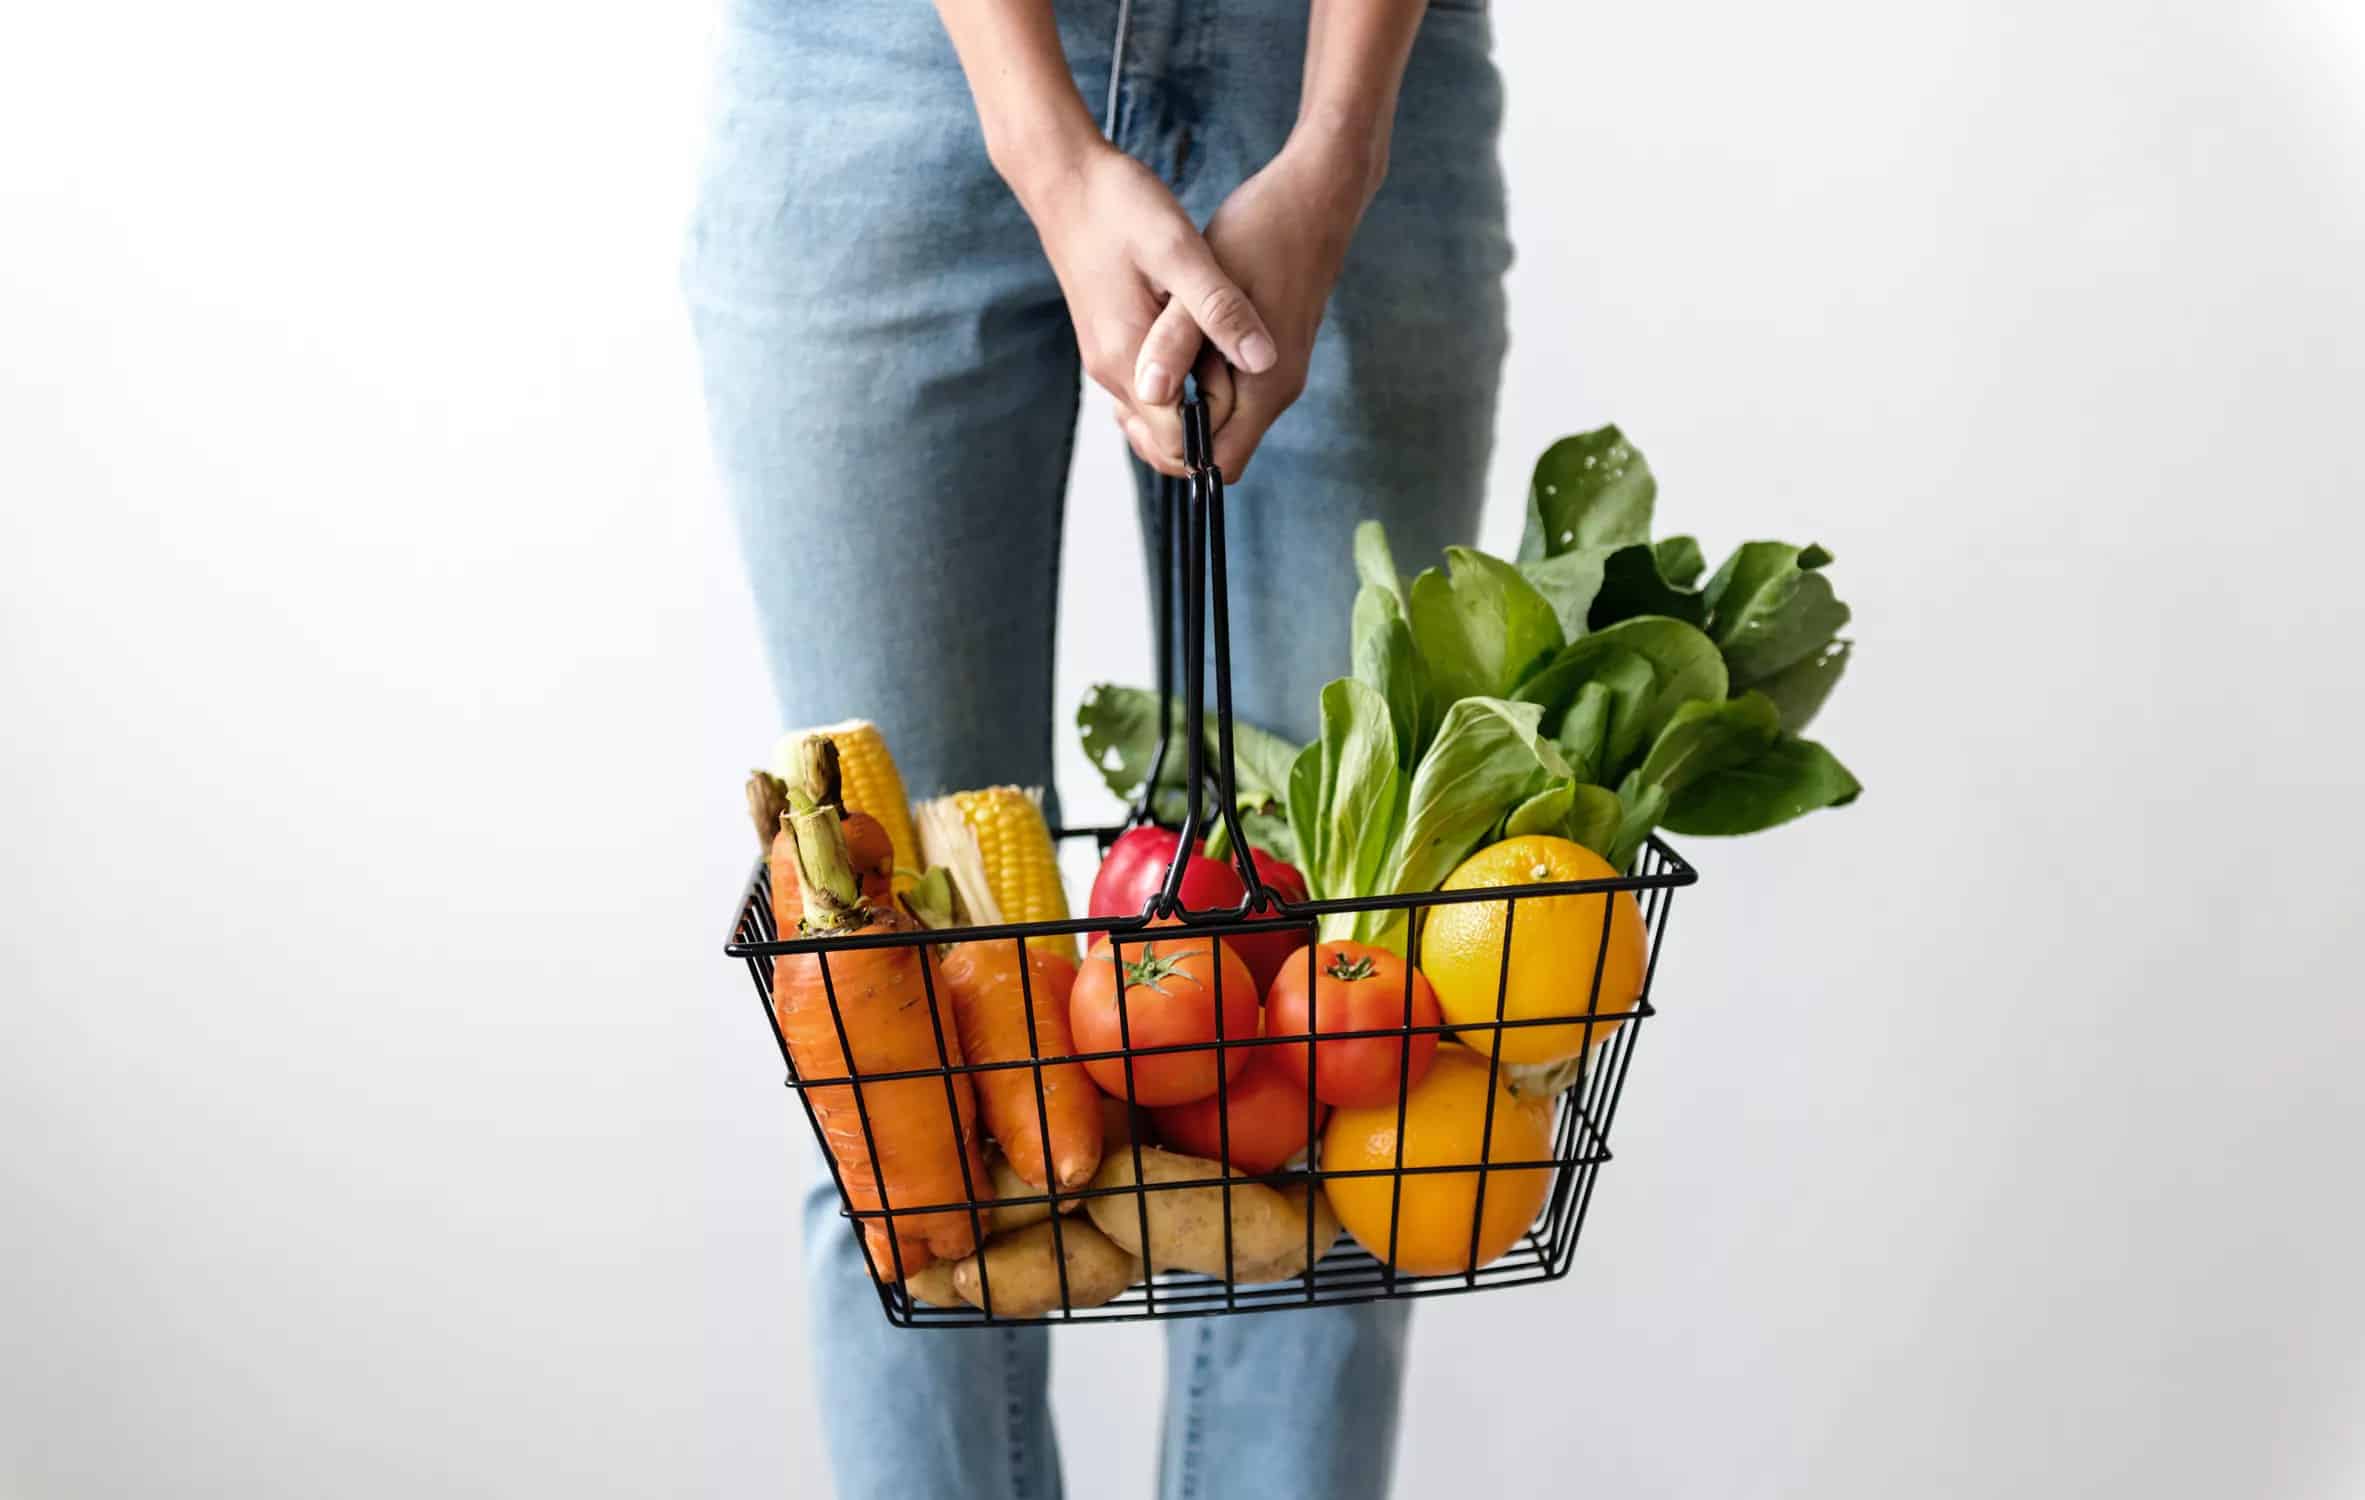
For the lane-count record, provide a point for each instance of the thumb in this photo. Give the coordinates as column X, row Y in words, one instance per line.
column 1217, row 304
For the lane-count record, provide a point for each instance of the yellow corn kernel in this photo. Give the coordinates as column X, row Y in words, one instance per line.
column 1013, row 844
column 871, row 785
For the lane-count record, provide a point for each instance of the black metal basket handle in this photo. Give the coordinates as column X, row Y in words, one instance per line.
column 1197, row 503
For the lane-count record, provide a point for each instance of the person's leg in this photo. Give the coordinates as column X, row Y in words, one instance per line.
column 1396, row 424
column 892, row 387
column 908, row 1412
column 1283, row 1405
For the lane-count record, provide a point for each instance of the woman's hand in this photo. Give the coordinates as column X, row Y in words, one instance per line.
column 1122, row 248
column 1128, row 258
column 1284, row 235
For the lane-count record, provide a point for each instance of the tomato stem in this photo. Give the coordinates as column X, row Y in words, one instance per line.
column 1351, row 967
column 1153, row 969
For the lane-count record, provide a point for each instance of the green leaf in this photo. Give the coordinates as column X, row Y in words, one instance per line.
column 1594, row 818
column 1703, row 737
column 1680, row 560
column 1640, row 808
column 1568, row 583
column 1771, row 606
column 1545, row 812
column 1583, row 736
column 1631, row 586
column 1684, row 665
column 1799, row 689
column 1120, row 728
column 1481, row 629
column 1487, row 759
column 1260, row 763
column 1787, row 779
column 1590, row 490
column 1375, row 564
column 1306, row 813
column 1363, row 787
column 1387, row 663
column 1270, row 832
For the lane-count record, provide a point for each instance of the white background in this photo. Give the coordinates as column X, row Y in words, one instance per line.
column 378, row 1116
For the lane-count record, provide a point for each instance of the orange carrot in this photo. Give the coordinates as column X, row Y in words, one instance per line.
column 922, row 1144
column 990, row 1003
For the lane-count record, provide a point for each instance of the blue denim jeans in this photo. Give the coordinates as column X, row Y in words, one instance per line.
column 892, row 383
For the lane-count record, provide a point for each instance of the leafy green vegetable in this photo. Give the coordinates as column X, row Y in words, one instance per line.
column 1683, row 663
column 1120, row 728
column 1595, row 818
column 1640, row 807
column 1632, row 586
column 1568, row 583
column 1771, row 606
column 1590, row 490
column 1481, row 628
column 1488, row 757
column 1680, row 560
column 1492, row 699
column 1362, row 789
column 1375, row 564
column 1799, row 689
column 1704, row 736
column 1546, row 812
column 1305, row 812
column 1386, row 662
column 1787, row 779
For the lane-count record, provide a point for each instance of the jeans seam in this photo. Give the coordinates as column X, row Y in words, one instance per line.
column 1015, row 1405
column 1187, row 1481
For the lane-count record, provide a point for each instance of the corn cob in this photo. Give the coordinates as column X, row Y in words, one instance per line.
column 997, row 838
column 872, row 785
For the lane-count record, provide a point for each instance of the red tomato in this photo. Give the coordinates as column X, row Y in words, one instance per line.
column 1264, row 952
column 1135, row 868
column 1356, row 988
column 1169, row 1001
column 1264, row 1108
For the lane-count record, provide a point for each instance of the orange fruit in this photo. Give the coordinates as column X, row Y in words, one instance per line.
column 1555, row 942
column 1444, row 1125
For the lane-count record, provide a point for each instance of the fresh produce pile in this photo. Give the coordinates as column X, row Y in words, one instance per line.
column 1505, row 724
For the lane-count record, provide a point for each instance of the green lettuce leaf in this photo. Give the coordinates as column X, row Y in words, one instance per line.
column 1590, row 490
column 1481, row 628
column 1788, row 778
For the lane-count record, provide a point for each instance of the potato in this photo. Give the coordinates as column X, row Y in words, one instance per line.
column 1291, row 1262
column 1008, row 1184
column 933, row 1284
column 1024, row 1270
column 1187, row 1224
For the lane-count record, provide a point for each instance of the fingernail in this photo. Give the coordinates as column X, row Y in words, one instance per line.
column 1258, row 352
column 1153, row 383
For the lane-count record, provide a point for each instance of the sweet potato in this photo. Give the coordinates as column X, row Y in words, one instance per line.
column 1005, row 1217
column 1186, row 1225
column 933, row 1284
column 1024, row 1269
column 1292, row 1261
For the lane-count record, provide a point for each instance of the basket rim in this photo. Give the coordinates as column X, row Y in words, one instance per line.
column 1288, row 916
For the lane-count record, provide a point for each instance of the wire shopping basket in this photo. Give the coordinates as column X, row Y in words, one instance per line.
column 1149, row 1236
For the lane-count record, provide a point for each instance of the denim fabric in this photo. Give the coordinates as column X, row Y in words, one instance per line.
column 892, row 385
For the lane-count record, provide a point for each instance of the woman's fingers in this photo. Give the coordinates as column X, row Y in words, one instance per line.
column 1171, row 347
column 1147, row 446
column 1216, row 388
column 1193, row 281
